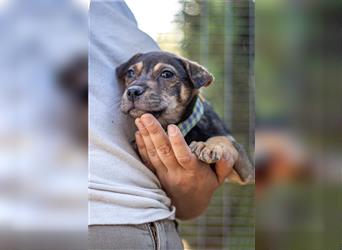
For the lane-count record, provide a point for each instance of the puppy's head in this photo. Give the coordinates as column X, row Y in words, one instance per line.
column 160, row 83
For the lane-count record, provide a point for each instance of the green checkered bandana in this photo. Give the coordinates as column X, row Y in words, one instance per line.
column 194, row 118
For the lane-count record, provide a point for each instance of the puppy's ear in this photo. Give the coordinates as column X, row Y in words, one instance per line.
column 121, row 70
column 199, row 76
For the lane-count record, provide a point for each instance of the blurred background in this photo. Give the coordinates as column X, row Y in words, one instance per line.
column 43, row 124
column 298, row 135
column 297, row 201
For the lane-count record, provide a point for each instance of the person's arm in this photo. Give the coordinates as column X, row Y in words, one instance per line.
column 189, row 182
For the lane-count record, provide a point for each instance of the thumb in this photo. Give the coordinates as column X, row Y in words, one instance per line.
column 224, row 167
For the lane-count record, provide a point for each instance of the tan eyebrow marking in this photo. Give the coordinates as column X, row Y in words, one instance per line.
column 159, row 65
column 138, row 67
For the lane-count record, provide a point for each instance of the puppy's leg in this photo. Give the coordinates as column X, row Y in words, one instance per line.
column 214, row 149
column 217, row 147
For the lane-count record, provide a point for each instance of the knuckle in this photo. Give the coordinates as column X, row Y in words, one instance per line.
column 144, row 132
column 140, row 145
column 154, row 129
column 178, row 142
column 164, row 149
column 152, row 152
column 184, row 160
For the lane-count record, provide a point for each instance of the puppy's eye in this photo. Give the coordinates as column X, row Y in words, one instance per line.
column 130, row 73
column 167, row 74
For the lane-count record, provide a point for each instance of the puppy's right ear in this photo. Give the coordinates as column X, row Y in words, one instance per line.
column 121, row 70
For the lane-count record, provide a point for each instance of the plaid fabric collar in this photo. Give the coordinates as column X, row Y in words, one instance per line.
column 194, row 118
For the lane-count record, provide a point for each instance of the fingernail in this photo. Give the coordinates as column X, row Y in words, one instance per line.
column 147, row 119
column 137, row 134
column 139, row 123
column 172, row 130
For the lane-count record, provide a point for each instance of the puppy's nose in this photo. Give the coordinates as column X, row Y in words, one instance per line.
column 134, row 91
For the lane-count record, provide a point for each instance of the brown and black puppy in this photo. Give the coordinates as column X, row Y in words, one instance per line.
column 167, row 86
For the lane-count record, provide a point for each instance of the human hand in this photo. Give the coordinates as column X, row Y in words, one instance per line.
column 189, row 182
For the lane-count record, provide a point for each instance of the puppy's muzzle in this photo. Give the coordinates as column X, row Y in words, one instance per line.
column 134, row 91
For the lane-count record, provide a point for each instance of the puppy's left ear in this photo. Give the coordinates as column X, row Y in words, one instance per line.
column 199, row 76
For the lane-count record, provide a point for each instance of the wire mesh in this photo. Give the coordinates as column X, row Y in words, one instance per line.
column 220, row 35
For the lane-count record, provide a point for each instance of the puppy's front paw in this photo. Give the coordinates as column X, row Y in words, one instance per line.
column 207, row 152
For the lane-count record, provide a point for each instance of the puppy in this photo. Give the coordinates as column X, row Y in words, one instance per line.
column 167, row 86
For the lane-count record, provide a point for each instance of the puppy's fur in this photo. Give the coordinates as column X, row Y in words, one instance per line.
column 167, row 86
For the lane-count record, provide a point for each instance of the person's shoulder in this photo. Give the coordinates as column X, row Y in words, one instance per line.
column 117, row 8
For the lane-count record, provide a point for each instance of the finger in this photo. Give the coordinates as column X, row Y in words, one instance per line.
column 224, row 168
column 180, row 148
column 234, row 177
column 160, row 141
column 142, row 151
column 150, row 148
